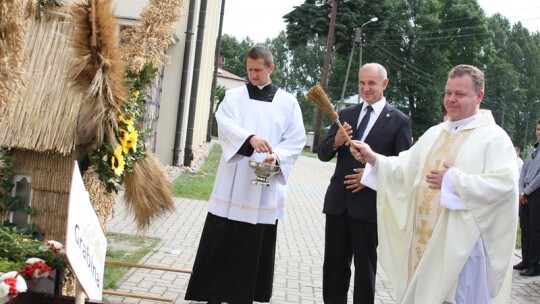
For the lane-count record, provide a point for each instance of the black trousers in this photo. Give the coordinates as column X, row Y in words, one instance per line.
column 347, row 238
column 529, row 222
column 234, row 262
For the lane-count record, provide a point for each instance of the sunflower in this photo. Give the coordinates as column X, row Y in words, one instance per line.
column 128, row 122
column 129, row 141
column 117, row 161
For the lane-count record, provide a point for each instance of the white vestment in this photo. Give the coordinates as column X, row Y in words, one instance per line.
column 280, row 122
column 484, row 179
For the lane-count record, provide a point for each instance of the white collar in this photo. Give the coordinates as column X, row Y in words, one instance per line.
column 456, row 126
column 262, row 86
column 377, row 106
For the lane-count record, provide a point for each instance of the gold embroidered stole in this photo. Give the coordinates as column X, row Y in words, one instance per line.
column 428, row 201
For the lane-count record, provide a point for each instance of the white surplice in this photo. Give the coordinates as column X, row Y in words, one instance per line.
column 474, row 236
column 280, row 122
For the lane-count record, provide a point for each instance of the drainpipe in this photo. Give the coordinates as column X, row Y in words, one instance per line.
column 188, row 156
column 183, row 84
column 214, row 79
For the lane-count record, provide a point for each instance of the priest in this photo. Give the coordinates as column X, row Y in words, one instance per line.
column 447, row 212
column 256, row 122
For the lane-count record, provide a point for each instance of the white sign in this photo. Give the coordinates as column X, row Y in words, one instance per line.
column 86, row 244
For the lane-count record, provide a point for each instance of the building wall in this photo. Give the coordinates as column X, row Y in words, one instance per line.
column 206, row 72
column 229, row 83
column 172, row 79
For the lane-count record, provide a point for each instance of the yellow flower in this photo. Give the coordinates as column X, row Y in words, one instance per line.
column 127, row 122
column 129, row 141
column 136, row 94
column 117, row 161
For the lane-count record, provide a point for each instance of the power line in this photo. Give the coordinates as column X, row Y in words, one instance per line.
column 407, row 69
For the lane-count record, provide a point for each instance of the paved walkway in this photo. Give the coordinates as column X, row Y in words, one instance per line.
column 299, row 254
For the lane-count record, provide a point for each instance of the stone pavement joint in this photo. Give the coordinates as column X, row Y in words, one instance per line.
column 299, row 252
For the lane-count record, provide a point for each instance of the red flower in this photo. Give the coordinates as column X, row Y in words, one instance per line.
column 36, row 268
column 12, row 283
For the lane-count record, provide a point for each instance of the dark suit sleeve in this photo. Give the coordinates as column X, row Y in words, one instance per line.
column 325, row 151
column 404, row 136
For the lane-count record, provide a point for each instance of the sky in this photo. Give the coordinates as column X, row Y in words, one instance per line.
column 261, row 19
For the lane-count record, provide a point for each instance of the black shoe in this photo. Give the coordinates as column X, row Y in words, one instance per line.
column 521, row 266
column 531, row 271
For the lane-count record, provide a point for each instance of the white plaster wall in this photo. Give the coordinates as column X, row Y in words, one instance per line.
column 129, row 11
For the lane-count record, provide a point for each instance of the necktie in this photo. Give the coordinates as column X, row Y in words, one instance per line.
column 363, row 123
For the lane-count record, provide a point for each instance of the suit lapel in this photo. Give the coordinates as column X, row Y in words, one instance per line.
column 354, row 118
column 381, row 121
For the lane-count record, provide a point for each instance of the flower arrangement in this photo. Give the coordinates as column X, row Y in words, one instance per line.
column 25, row 258
column 116, row 159
column 36, row 268
column 11, row 283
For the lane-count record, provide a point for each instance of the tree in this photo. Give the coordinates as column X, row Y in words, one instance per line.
column 512, row 75
column 234, row 54
column 417, row 41
column 281, row 53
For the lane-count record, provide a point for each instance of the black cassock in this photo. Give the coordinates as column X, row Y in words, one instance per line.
column 235, row 260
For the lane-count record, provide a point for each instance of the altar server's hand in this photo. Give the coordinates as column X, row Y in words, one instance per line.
column 271, row 159
column 435, row 177
column 260, row 145
column 340, row 139
column 352, row 181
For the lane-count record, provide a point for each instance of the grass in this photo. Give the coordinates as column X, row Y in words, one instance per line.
column 125, row 248
column 518, row 238
column 314, row 155
column 198, row 185
column 309, row 154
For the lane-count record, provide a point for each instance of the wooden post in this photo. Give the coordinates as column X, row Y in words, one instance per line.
column 80, row 295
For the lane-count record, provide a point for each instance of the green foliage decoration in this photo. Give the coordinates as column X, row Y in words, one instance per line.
column 16, row 246
column 116, row 159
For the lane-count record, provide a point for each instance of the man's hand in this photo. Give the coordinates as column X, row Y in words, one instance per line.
column 362, row 152
column 435, row 177
column 523, row 199
column 352, row 181
column 260, row 145
column 271, row 159
column 340, row 139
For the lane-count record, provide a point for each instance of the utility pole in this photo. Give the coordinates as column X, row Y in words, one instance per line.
column 374, row 19
column 357, row 39
column 324, row 78
column 357, row 35
column 361, row 38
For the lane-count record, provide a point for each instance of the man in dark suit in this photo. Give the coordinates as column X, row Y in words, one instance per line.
column 351, row 227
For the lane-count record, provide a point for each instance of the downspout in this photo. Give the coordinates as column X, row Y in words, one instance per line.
column 214, row 79
column 183, row 82
column 188, row 155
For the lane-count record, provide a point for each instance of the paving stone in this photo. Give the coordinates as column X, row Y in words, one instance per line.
column 299, row 251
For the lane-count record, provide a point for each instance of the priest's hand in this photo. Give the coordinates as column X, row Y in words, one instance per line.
column 362, row 152
column 340, row 139
column 352, row 181
column 260, row 145
column 435, row 177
